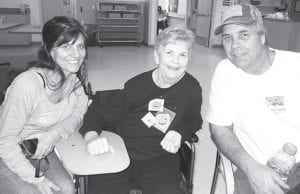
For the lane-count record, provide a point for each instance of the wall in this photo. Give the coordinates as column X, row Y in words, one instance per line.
column 153, row 21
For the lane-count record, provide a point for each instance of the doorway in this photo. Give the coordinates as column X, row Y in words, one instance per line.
column 194, row 14
column 203, row 17
column 175, row 11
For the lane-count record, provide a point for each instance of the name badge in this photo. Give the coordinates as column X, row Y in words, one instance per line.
column 156, row 105
column 149, row 119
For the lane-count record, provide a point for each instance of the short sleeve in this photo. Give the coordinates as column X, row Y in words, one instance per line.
column 220, row 106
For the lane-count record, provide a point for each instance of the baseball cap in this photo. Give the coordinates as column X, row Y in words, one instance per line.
column 245, row 14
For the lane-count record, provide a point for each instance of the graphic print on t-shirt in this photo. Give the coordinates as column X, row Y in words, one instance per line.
column 164, row 119
column 160, row 115
column 276, row 104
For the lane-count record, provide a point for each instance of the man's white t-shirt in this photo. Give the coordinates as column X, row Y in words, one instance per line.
column 263, row 109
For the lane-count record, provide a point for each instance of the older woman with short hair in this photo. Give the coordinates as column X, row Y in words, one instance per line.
column 158, row 111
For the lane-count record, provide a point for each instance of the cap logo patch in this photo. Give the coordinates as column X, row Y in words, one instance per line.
column 233, row 13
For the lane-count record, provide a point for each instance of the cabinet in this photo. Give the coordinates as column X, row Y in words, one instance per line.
column 119, row 22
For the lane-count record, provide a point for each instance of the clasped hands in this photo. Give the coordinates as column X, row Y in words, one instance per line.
column 99, row 145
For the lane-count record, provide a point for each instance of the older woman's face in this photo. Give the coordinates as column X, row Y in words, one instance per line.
column 172, row 60
column 70, row 56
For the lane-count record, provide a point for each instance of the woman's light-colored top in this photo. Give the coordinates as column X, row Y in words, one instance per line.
column 27, row 109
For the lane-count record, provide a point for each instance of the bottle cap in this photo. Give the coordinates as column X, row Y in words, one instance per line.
column 290, row 148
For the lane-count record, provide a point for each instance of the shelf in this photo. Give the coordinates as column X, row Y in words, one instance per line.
column 120, row 40
column 120, row 11
column 120, row 21
column 105, row 18
column 116, row 26
column 116, row 3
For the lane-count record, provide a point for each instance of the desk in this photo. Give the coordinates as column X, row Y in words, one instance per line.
column 27, row 29
column 78, row 161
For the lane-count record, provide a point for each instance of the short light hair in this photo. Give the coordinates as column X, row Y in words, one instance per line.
column 175, row 33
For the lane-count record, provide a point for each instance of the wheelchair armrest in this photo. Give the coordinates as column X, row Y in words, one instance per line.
column 187, row 155
column 194, row 139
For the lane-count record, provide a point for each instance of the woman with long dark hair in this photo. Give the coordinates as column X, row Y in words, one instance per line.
column 44, row 105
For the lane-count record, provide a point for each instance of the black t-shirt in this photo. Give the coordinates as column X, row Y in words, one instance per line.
column 126, row 110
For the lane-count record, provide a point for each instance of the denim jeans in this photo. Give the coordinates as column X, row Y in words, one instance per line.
column 11, row 182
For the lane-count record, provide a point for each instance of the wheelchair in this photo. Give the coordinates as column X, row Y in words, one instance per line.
column 187, row 152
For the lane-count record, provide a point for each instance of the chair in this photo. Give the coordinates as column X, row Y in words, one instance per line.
column 224, row 166
column 186, row 152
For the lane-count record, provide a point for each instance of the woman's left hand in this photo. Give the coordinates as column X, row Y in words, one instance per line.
column 46, row 141
column 171, row 142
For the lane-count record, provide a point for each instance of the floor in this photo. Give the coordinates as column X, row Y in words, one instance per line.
column 110, row 66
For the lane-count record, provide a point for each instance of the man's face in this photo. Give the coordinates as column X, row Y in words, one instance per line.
column 243, row 46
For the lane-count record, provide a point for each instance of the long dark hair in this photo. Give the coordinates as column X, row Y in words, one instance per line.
column 56, row 32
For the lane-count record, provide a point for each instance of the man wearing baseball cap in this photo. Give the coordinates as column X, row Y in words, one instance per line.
column 254, row 106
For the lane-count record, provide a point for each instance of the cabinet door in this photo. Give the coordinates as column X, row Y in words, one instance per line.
column 57, row 7
column 203, row 21
column 86, row 11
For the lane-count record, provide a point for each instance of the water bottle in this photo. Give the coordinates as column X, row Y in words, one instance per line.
column 283, row 160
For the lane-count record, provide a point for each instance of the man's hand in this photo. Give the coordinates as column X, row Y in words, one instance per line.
column 264, row 180
column 171, row 142
column 46, row 186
